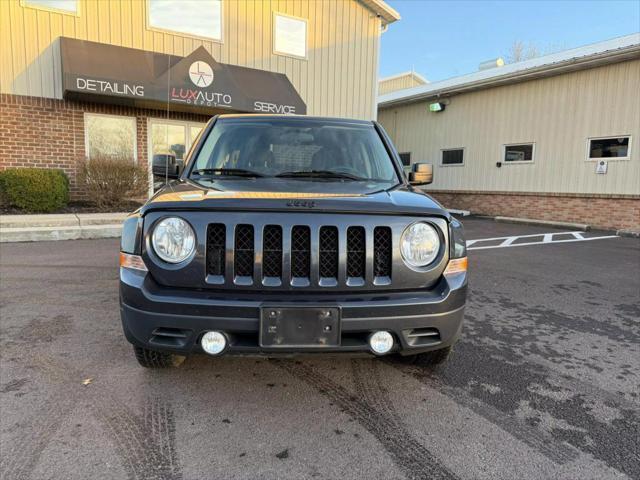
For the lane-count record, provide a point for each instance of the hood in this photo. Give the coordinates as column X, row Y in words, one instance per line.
column 282, row 195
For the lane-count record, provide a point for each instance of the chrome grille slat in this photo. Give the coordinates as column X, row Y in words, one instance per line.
column 315, row 256
column 258, row 255
column 342, row 256
column 286, row 254
column 368, row 262
column 229, row 254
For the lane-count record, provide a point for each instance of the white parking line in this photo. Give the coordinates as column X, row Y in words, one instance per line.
column 546, row 239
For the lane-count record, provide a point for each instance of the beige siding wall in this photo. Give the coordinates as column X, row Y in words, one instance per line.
column 558, row 113
column 337, row 79
column 399, row 83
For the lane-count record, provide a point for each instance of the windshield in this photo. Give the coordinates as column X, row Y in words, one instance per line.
column 300, row 149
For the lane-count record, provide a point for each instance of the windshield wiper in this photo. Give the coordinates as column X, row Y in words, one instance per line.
column 234, row 172
column 319, row 174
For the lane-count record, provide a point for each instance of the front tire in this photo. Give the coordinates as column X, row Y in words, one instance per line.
column 153, row 359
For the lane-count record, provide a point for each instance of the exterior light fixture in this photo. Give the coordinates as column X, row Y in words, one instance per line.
column 436, row 107
column 214, row 343
column 381, row 342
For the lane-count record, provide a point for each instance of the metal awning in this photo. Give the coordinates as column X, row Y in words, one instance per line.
column 98, row 72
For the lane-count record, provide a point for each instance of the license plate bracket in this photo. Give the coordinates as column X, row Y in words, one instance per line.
column 299, row 327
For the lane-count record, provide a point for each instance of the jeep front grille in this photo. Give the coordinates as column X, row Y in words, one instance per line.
column 298, row 255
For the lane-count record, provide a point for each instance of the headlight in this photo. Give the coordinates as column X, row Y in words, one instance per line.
column 419, row 244
column 173, row 240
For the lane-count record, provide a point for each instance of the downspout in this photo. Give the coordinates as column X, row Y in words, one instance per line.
column 382, row 29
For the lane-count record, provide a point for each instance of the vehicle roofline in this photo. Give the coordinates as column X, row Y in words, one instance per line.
column 291, row 117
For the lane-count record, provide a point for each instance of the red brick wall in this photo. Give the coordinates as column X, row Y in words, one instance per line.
column 49, row 133
column 609, row 212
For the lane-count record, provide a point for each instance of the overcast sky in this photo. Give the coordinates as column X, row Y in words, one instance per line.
column 443, row 39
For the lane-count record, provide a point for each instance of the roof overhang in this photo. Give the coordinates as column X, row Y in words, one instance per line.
column 603, row 53
column 409, row 73
column 103, row 73
column 385, row 12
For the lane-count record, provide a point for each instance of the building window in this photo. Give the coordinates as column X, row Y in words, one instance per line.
column 290, row 37
column 62, row 6
column 405, row 158
column 522, row 152
column 110, row 136
column 453, row 156
column 200, row 18
column 611, row 148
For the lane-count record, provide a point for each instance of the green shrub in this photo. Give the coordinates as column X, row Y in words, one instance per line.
column 34, row 189
column 113, row 182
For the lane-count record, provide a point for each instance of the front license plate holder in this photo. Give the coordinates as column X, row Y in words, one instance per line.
column 299, row 327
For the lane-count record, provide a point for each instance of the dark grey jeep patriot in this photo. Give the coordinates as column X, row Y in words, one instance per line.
column 289, row 235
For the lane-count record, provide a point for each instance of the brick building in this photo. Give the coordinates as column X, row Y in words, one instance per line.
column 140, row 78
column 50, row 133
column 553, row 138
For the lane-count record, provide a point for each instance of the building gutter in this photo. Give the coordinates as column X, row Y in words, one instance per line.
column 605, row 58
column 383, row 10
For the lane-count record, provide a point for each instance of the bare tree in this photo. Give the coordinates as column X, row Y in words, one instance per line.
column 518, row 52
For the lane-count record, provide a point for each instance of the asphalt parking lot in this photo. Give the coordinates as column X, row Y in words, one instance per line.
column 544, row 384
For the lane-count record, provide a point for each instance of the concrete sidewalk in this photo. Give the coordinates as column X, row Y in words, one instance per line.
column 69, row 226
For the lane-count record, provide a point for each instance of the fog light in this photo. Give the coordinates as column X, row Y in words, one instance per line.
column 213, row 343
column 381, row 342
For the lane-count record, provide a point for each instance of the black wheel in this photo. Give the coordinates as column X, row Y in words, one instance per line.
column 152, row 359
column 428, row 359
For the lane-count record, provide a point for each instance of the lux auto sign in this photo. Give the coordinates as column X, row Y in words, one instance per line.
column 136, row 77
column 201, row 75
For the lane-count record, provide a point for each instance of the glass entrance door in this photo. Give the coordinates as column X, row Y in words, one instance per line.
column 169, row 143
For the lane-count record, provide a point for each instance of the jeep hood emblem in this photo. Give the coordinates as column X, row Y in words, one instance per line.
column 301, row 203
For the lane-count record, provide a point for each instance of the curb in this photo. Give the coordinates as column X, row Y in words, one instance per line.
column 39, row 228
column 44, row 234
column 25, row 221
column 551, row 223
column 61, row 220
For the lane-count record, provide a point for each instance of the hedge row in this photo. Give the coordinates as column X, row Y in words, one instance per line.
column 34, row 190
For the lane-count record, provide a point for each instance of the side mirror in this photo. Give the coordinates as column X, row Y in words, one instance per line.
column 421, row 174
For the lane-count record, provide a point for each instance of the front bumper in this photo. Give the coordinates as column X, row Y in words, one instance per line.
column 174, row 320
